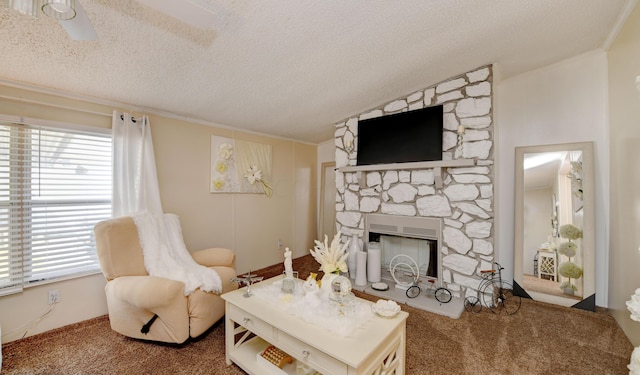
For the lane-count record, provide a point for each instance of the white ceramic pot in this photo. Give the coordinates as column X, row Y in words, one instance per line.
column 352, row 260
column 327, row 280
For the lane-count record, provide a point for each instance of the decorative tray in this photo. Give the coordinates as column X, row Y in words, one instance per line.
column 386, row 308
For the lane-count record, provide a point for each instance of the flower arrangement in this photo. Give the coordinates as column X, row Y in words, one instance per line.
column 218, row 184
column 576, row 178
column 569, row 269
column 225, row 151
column 332, row 258
column 570, row 232
column 633, row 305
column 225, row 158
column 254, row 175
column 221, row 167
column 568, row 249
column 634, row 364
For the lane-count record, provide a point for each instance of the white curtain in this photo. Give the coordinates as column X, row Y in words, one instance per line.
column 136, row 193
column 135, row 181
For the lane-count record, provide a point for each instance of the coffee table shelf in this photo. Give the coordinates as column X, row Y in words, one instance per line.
column 246, row 357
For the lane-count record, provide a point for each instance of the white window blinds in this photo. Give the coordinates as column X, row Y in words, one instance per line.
column 55, row 184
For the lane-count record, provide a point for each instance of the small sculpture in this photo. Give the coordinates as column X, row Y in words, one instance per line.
column 288, row 284
column 288, row 265
column 311, row 285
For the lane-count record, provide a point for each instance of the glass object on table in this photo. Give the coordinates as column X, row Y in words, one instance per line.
column 341, row 296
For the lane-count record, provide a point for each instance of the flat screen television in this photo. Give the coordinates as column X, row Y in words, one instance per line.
column 404, row 137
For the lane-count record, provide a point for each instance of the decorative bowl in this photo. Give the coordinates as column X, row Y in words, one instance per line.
column 386, row 308
column 380, row 286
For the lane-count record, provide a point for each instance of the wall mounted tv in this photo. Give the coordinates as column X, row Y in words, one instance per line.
column 401, row 138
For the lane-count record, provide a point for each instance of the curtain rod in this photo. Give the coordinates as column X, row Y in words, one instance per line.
column 133, row 119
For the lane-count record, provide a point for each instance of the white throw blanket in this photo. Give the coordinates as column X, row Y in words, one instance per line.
column 165, row 254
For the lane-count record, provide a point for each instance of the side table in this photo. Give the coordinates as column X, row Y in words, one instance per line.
column 547, row 264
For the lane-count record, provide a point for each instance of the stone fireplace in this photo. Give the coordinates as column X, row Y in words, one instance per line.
column 457, row 192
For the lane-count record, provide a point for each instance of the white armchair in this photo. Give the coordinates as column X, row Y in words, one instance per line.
column 138, row 302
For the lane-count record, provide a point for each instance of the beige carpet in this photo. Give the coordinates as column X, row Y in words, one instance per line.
column 539, row 339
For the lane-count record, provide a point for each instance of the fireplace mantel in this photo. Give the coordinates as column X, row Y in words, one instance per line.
column 436, row 165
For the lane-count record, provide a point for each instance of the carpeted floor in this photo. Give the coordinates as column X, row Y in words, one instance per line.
column 539, row 339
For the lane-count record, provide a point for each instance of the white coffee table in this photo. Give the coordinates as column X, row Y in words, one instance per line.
column 378, row 345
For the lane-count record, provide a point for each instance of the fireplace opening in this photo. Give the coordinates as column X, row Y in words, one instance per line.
column 409, row 238
column 423, row 251
column 415, row 239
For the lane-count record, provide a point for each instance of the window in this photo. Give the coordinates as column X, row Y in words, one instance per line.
column 55, row 184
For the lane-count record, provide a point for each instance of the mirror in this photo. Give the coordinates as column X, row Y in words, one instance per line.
column 554, row 258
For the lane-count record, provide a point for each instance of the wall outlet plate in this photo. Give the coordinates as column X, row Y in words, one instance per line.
column 54, row 296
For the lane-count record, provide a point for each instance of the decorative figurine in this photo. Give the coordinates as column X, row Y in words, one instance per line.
column 288, row 267
column 288, row 284
column 311, row 285
column 248, row 279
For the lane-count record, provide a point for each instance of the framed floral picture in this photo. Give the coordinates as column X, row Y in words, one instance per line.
column 240, row 166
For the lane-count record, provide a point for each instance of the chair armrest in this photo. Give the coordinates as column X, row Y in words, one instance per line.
column 147, row 292
column 216, row 256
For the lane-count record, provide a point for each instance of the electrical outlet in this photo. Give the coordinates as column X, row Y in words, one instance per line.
column 54, row 296
column 279, row 244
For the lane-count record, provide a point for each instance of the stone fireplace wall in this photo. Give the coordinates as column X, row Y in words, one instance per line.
column 465, row 201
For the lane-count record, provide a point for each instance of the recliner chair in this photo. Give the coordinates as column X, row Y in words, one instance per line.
column 137, row 301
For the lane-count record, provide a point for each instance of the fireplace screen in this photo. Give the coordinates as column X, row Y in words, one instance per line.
column 410, row 239
column 423, row 251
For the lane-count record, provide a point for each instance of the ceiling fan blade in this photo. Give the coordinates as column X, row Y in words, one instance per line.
column 80, row 27
column 185, row 11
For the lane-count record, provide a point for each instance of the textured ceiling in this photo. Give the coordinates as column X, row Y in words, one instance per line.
column 293, row 68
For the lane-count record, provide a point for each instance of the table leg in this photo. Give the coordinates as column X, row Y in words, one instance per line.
column 229, row 330
column 402, row 350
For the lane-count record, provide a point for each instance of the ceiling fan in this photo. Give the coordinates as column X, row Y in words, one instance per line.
column 75, row 21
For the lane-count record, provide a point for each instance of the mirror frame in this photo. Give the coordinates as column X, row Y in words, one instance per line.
column 588, row 241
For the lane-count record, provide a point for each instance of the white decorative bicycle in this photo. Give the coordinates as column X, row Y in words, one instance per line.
column 407, row 275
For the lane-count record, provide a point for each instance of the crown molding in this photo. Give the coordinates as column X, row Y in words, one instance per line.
column 124, row 107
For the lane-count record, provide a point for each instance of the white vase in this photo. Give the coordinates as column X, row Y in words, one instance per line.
column 327, row 279
column 373, row 262
column 352, row 261
column 361, row 269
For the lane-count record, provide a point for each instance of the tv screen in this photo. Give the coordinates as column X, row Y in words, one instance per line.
column 401, row 138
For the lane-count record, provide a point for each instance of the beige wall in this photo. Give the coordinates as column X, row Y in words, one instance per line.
column 624, row 106
column 251, row 224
